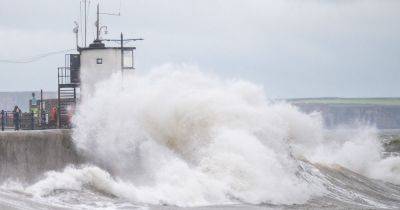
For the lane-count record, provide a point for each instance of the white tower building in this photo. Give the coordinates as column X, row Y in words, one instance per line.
column 98, row 62
column 92, row 65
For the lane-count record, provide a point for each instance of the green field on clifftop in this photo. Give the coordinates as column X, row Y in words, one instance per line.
column 355, row 101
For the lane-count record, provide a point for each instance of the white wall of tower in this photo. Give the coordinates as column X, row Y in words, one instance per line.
column 94, row 70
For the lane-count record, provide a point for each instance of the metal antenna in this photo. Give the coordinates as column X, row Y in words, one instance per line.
column 80, row 22
column 98, row 20
column 76, row 31
column 98, row 23
column 85, row 23
column 114, row 14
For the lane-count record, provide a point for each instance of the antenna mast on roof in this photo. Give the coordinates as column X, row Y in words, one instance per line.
column 85, row 23
column 98, row 23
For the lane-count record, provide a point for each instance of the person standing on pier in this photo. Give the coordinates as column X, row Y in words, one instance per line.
column 53, row 116
column 17, row 117
column 3, row 119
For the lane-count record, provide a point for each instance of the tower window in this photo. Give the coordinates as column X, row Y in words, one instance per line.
column 99, row 60
column 128, row 59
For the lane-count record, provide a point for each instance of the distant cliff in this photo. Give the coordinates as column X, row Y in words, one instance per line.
column 382, row 116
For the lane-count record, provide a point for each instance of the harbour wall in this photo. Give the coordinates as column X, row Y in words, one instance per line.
column 381, row 116
column 25, row 155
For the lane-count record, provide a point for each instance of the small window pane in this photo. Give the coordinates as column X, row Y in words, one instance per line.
column 99, row 60
column 128, row 59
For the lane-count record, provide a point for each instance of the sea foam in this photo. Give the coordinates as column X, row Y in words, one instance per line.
column 179, row 136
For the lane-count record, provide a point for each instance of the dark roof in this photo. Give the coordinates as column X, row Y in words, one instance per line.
column 90, row 48
column 97, row 44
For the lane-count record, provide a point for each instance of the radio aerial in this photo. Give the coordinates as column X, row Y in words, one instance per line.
column 76, row 28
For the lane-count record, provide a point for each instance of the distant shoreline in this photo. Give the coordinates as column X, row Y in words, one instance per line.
column 347, row 101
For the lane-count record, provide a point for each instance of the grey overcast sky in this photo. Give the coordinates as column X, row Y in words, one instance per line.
column 294, row 48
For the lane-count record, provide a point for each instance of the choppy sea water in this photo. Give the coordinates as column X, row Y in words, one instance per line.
column 345, row 190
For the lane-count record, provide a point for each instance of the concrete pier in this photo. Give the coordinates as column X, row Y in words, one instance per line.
column 25, row 155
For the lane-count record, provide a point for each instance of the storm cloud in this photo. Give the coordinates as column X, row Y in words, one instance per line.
column 293, row 48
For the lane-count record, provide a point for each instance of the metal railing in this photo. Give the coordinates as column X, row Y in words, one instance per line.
column 64, row 75
column 26, row 121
